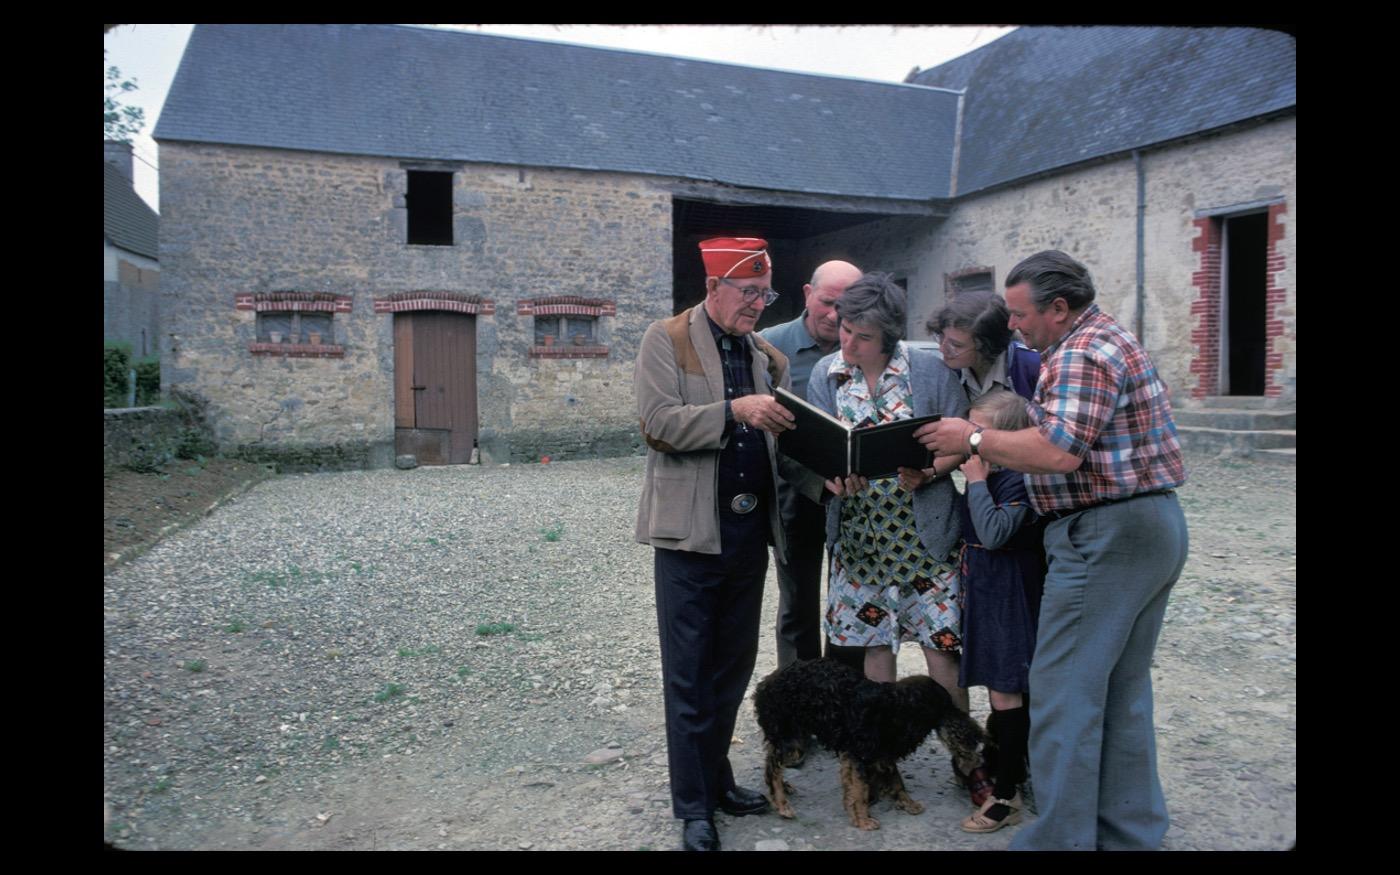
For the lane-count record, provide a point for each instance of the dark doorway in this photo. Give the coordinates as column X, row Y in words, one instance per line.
column 1244, row 271
column 787, row 230
column 435, row 386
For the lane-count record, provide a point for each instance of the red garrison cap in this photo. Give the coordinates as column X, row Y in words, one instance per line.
column 735, row 256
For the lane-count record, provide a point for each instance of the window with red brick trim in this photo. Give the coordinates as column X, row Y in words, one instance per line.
column 567, row 326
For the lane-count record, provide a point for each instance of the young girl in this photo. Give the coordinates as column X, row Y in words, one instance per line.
column 1003, row 571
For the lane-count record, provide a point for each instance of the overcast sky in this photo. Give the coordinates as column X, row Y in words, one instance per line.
column 149, row 53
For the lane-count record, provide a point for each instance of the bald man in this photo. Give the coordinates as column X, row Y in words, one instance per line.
column 804, row 340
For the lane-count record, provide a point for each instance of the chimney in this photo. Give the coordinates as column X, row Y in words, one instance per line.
column 118, row 154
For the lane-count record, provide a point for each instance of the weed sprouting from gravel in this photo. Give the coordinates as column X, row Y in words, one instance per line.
column 554, row 532
column 495, row 628
column 389, row 691
column 195, row 665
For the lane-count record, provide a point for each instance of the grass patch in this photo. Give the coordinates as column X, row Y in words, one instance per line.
column 389, row 691
column 329, row 744
column 235, row 627
column 553, row 533
column 161, row 786
column 195, row 665
column 463, row 671
column 495, row 628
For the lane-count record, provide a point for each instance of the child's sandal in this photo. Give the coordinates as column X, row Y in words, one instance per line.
column 993, row 815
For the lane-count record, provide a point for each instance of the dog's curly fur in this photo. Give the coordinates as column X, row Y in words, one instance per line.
column 870, row 725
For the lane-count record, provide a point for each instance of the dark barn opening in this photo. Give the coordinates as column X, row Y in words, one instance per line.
column 429, row 204
column 1246, row 262
column 787, row 230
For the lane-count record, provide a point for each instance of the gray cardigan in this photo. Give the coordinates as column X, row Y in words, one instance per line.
column 936, row 389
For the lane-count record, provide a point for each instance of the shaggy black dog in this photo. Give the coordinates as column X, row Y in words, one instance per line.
column 872, row 726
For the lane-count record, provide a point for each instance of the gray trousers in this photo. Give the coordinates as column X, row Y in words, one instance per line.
column 800, row 602
column 1093, row 750
column 800, row 579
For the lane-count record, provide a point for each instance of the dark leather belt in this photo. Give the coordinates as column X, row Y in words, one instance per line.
column 1061, row 514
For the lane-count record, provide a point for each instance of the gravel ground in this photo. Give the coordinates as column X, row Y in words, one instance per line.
column 466, row 658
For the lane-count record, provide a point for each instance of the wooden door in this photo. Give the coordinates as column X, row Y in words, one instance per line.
column 435, row 386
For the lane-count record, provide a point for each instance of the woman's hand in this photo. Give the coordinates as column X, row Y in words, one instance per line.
column 974, row 469
column 851, row 485
column 912, row 478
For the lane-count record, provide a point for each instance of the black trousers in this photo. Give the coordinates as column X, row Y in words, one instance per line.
column 708, row 609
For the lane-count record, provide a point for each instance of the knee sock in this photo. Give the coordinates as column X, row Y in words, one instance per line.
column 1012, row 733
column 990, row 752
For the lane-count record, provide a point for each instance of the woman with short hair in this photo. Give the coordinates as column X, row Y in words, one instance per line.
column 973, row 336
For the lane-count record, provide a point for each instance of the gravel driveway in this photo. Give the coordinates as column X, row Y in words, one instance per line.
column 466, row 658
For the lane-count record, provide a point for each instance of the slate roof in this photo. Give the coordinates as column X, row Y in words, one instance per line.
column 1042, row 98
column 410, row 92
column 126, row 219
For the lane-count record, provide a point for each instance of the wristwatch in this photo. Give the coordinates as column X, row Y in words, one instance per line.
column 975, row 441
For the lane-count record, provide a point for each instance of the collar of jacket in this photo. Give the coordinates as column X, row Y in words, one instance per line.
column 696, row 352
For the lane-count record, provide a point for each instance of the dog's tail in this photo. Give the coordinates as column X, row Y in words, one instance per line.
column 961, row 735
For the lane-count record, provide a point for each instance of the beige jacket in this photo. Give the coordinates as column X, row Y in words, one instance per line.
column 679, row 383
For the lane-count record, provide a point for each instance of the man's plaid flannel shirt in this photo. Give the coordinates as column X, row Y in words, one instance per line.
column 1099, row 398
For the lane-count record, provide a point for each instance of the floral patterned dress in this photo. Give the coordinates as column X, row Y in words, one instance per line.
column 885, row 588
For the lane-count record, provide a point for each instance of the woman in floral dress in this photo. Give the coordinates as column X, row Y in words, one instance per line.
column 893, row 541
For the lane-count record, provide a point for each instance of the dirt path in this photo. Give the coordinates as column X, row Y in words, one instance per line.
column 291, row 733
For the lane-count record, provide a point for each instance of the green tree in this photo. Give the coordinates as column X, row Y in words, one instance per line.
column 119, row 122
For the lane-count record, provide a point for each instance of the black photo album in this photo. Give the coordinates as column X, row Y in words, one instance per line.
column 833, row 449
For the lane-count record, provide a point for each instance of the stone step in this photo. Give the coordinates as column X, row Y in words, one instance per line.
column 1238, row 419
column 1243, row 402
column 1208, row 440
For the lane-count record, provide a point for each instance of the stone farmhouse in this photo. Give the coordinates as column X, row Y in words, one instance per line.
column 380, row 240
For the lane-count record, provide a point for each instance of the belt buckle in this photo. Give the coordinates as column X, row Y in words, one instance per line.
column 744, row 502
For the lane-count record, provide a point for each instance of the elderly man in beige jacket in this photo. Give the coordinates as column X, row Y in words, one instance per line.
column 704, row 386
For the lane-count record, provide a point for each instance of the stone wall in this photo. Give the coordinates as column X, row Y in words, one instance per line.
column 243, row 220
column 145, row 436
column 901, row 246
column 1091, row 214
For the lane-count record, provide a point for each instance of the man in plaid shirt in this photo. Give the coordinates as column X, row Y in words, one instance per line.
column 1101, row 463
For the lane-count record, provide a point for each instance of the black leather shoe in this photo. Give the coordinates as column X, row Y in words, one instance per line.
column 742, row 801
column 700, row 835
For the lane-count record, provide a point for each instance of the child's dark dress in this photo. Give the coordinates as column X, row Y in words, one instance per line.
column 1003, row 573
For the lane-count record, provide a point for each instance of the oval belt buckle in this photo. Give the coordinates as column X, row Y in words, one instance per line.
column 744, row 502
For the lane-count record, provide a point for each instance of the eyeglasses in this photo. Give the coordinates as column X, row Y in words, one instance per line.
column 945, row 342
column 753, row 293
